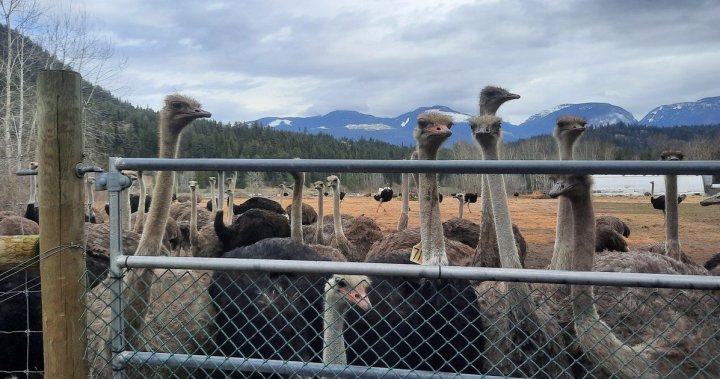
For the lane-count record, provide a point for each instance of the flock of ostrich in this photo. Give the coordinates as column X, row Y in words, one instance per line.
column 459, row 326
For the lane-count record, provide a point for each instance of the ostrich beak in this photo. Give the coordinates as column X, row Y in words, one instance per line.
column 357, row 297
column 512, row 96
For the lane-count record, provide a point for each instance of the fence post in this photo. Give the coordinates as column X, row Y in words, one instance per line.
column 59, row 112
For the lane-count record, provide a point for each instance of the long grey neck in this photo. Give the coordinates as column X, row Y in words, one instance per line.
column 321, row 212
column 213, row 206
column 193, row 218
column 672, row 233
column 340, row 239
column 296, row 233
column 333, row 325
column 487, row 248
column 562, row 250
column 431, row 231
column 159, row 211
column 593, row 335
column 405, row 210
column 461, row 207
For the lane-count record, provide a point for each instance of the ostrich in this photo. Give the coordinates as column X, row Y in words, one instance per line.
column 320, row 187
column 712, row 200
column 460, row 196
column 309, row 215
column 421, row 324
column 405, row 210
column 230, row 191
column 567, row 131
column 283, row 315
column 32, row 212
column 260, row 203
column 384, row 195
column 658, row 202
column 672, row 233
column 212, row 204
column 491, row 98
column 193, row 227
column 18, row 226
column 362, row 231
column 526, row 340
column 90, row 190
column 685, row 350
column 178, row 112
column 283, row 193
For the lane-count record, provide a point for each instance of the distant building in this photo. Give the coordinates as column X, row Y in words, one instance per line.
column 638, row 185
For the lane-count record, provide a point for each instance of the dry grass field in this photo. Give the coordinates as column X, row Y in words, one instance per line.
column 699, row 226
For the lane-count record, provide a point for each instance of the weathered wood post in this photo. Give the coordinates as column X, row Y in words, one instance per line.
column 60, row 148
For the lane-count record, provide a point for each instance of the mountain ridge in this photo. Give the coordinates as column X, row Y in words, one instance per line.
column 355, row 125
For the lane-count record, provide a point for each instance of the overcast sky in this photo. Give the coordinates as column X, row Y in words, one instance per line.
column 253, row 58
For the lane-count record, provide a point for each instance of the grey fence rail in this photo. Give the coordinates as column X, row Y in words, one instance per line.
column 266, row 320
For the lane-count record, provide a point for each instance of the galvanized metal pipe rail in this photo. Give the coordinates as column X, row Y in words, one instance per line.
column 618, row 279
column 270, row 366
column 418, row 166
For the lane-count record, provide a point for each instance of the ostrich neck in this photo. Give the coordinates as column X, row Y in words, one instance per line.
column 672, row 234
column 509, row 256
column 562, row 250
column 231, row 209
column 296, row 233
column 487, row 248
column 321, row 213
column 193, row 218
column 593, row 335
column 405, row 210
column 342, row 241
column 213, row 207
column 461, row 208
column 162, row 196
column 333, row 325
column 431, row 231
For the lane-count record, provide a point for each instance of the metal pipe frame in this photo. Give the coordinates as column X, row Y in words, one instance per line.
column 417, row 166
column 304, row 369
column 616, row 279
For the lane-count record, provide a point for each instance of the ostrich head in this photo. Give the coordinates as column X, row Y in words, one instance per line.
column 333, row 182
column 319, row 185
column 569, row 128
column 433, row 128
column 486, row 130
column 34, row 165
column 570, row 185
column 193, row 185
column 492, row 97
column 212, row 180
column 348, row 290
column 180, row 110
column 672, row 155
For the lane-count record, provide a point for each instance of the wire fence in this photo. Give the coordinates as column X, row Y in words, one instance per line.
column 213, row 317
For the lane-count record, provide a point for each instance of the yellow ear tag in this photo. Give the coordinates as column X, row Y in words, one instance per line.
column 416, row 254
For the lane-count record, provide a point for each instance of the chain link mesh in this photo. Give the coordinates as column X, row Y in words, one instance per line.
column 272, row 321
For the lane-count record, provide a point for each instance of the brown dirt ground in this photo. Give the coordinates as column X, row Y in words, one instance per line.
column 699, row 226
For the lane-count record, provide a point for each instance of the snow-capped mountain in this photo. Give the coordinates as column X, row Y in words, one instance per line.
column 398, row 130
column 597, row 114
column 702, row 112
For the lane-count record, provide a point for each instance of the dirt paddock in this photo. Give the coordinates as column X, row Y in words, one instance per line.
column 536, row 218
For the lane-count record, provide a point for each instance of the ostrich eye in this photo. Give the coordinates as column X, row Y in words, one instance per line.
column 342, row 283
column 176, row 105
column 449, row 125
column 423, row 123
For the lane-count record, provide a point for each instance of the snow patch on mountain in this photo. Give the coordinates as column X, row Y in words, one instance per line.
column 548, row 111
column 368, row 127
column 279, row 122
column 404, row 123
column 457, row 117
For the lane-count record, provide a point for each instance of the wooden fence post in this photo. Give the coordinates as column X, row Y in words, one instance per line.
column 60, row 148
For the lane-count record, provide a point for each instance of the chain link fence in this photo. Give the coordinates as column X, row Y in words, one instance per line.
column 199, row 323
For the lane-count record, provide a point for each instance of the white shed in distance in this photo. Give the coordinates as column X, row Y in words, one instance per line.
column 638, row 185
